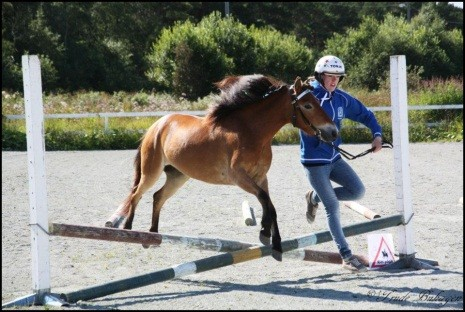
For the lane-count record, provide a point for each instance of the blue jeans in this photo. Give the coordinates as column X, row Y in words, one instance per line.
column 350, row 188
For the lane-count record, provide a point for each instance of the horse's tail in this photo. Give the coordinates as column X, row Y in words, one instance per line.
column 137, row 175
column 123, row 209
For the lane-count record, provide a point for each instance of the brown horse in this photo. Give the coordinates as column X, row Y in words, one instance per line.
column 231, row 145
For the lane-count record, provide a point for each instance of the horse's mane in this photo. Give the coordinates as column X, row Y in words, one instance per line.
column 239, row 91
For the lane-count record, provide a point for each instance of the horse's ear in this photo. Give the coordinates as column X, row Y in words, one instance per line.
column 297, row 85
column 306, row 84
column 281, row 88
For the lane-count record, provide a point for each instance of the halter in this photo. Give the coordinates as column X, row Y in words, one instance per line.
column 297, row 108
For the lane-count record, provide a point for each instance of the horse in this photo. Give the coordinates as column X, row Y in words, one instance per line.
column 230, row 145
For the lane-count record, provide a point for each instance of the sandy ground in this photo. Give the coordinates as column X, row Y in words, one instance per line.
column 85, row 188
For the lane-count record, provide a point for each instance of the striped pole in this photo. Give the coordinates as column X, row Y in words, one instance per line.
column 321, row 256
column 223, row 260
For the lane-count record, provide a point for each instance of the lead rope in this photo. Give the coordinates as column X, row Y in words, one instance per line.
column 349, row 156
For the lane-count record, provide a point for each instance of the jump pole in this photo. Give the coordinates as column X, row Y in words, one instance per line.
column 222, row 260
column 247, row 214
column 203, row 243
column 144, row 238
column 364, row 211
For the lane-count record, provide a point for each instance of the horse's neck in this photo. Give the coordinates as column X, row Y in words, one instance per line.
column 266, row 118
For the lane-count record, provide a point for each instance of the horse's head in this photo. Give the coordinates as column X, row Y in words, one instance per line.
column 308, row 114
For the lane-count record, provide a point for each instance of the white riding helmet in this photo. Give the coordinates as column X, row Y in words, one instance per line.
column 329, row 64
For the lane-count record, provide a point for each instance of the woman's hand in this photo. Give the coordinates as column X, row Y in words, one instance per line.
column 377, row 144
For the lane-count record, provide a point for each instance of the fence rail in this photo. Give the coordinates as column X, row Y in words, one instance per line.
column 106, row 116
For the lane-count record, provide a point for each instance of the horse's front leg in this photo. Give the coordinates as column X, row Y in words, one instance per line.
column 270, row 225
column 259, row 188
column 267, row 221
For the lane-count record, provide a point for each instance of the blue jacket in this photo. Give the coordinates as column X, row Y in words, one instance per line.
column 338, row 105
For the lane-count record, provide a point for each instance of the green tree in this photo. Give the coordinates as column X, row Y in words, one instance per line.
column 366, row 50
column 134, row 26
column 28, row 30
column 102, row 45
column 11, row 71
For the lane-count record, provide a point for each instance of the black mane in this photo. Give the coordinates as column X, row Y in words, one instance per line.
column 239, row 91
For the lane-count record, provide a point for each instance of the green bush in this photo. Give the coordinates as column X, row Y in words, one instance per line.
column 198, row 64
column 281, row 56
column 439, row 91
column 187, row 58
column 234, row 40
column 96, row 139
column 13, row 139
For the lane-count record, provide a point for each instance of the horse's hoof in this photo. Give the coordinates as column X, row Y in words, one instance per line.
column 277, row 255
column 119, row 222
column 148, row 246
column 265, row 240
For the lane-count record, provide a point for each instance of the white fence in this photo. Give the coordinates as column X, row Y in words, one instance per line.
column 107, row 116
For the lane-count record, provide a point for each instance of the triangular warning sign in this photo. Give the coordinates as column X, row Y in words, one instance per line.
column 381, row 250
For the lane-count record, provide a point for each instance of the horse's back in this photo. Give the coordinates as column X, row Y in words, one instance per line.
column 172, row 129
column 177, row 121
column 190, row 144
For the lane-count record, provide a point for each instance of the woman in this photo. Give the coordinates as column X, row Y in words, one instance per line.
column 323, row 164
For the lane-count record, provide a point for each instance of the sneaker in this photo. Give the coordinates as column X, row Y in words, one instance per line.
column 311, row 207
column 353, row 264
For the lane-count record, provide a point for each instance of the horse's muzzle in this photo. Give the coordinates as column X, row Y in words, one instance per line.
column 328, row 133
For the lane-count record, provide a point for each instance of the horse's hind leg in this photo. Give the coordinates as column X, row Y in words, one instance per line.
column 149, row 167
column 174, row 180
column 145, row 184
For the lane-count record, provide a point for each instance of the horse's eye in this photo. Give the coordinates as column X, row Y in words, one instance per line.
column 308, row 106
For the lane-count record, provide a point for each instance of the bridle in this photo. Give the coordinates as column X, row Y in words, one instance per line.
column 296, row 108
column 347, row 155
